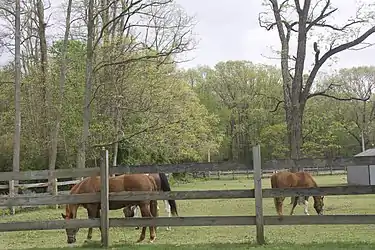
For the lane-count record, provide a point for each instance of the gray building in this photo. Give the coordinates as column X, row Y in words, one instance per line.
column 362, row 175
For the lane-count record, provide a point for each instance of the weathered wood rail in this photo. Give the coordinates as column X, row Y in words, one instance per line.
column 211, row 175
column 184, row 195
column 259, row 220
column 186, row 168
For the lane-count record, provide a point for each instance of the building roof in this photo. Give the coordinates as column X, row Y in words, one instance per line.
column 368, row 152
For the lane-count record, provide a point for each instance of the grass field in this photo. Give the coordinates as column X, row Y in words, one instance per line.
column 239, row 237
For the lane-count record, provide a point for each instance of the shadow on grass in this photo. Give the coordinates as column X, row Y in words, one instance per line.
column 229, row 246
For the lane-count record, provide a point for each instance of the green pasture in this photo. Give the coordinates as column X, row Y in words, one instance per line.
column 238, row 237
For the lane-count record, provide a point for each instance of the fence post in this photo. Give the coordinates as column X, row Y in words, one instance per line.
column 52, row 187
column 259, row 220
column 12, row 191
column 104, row 197
column 55, row 190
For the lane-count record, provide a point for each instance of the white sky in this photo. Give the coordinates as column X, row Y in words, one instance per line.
column 231, row 32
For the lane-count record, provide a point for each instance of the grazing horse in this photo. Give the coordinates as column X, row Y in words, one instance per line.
column 295, row 180
column 162, row 185
column 125, row 182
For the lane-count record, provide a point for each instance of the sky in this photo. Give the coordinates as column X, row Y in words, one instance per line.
column 230, row 31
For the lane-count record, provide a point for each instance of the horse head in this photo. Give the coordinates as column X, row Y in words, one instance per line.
column 71, row 211
column 319, row 204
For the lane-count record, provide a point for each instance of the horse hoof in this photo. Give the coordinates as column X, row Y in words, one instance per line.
column 168, row 229
column 140, row 240
column 152, row 240
column 136, row 228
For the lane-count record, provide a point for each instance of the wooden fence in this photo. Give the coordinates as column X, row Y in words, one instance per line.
column 215, row 175
column 258, row 193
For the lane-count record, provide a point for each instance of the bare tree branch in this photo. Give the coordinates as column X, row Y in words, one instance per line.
column 151, row 128
column 330, row 53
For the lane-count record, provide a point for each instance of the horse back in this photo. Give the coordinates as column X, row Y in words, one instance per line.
column 132, row 182
column 283, row 179
column 306, row 180
column 87, row 185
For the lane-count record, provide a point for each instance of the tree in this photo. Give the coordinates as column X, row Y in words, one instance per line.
column 17, row 90
column 81, row 155
column 359, row 82
column 234, row 91
column 309, row 17
column 155, row 31
column 54, row 133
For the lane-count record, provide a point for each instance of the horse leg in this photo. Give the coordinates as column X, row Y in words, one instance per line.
column 154, row 209
column 97, row 216
column 92, row 212
column 136, row 212
column 294, row 205
column 279, row 205
column 292, row 200
column 91, row 215
column 306, row 203
column 145, row 211
column 167, row 209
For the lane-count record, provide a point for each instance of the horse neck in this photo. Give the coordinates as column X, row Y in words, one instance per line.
column 71, row 210
column 314, row 185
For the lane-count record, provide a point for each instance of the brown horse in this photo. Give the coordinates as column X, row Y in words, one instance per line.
column 126, row 182
column 295, row 180
column 162, row 185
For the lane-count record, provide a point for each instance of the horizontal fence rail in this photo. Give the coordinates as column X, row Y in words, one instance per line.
column 186, row 168
column 213, row 173
column 125, row 196
column 323, row 162
column 209, row 174
column 76, row 173
column 131, row 222
column 184, row 195
column 190, row 221
column 319, row 191
column 41, row 184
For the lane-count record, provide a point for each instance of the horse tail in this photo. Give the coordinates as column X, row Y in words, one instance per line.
column 277, row 200
column 164, row 183
column 274, row 181
column 313, row 182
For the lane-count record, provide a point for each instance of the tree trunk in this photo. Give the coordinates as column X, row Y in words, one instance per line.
column 81, row 158
column 46, row 91
column 294, row 116
column 17, row 100
column 43, row 69
column 57, row 116
column 117, row 131
column 231, row 143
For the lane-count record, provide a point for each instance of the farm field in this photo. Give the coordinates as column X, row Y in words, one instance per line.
column 236, row 237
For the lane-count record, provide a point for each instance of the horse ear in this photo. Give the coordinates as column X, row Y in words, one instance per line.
column 63, row 215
